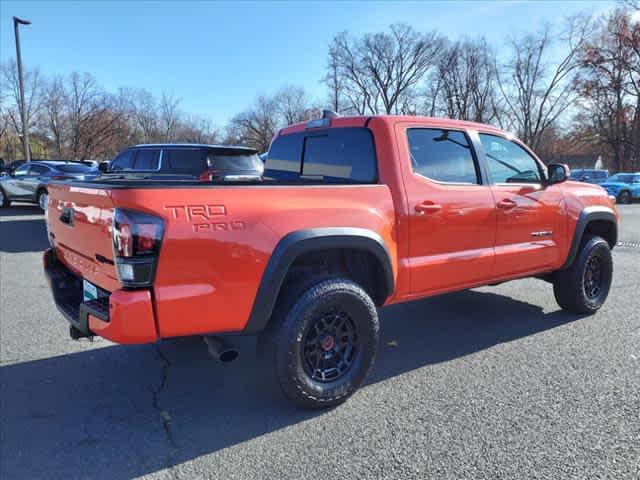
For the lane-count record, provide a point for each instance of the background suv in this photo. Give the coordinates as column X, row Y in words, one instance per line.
column 188, row 161
column 28, row 182
column 589, row 175
column 624, row 186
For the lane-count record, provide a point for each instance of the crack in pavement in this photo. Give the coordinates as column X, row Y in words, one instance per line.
column 164, row 414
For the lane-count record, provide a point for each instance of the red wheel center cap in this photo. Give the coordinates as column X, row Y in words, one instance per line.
column 327, row 343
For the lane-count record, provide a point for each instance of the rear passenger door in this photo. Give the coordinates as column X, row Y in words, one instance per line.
column 528, row 211
column 451, row 216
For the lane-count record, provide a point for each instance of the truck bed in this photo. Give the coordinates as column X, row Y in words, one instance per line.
column 217, row 240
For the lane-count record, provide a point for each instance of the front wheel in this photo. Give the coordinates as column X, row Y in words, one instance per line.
column 624, row 197
column 584, row 286
column 325, row 343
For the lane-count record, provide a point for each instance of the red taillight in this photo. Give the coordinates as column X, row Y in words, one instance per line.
column 136, row 244
column 136, row 234
column 60, row 177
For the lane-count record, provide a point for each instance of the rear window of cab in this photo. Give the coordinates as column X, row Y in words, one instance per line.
column 334, row 155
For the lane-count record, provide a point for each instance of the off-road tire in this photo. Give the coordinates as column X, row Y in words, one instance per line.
column 289, row 328
column 570, row 286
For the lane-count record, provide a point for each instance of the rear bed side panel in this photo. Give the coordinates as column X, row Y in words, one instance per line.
column 218, row 241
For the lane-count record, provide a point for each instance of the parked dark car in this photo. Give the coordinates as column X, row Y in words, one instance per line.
column 189, row 161
column 11, row 166
column 589, row 175
column 28, row 182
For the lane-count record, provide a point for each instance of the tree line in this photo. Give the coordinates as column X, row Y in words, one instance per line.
column 572, row 89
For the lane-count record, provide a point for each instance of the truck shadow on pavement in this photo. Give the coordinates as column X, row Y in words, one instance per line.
column 124, row 411
column 20, row 211
column 19, row 236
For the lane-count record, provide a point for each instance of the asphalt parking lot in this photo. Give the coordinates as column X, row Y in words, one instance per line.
column 489, row 383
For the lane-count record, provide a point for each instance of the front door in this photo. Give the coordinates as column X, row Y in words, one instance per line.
column 528, row 211
column 452, row 218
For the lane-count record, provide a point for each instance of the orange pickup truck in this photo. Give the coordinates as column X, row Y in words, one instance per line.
column 352, row 213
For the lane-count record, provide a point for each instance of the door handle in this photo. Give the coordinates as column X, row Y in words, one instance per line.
column 506, row 204
column 427, row 207
column 66, row 216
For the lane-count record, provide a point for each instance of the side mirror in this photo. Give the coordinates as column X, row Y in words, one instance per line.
column 103, row 167
column 557, row 173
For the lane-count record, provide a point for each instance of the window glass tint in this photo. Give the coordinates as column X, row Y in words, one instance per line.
column 22, row 170
column 622, row 178
column 147, row 159
column 234, row 159
column 124, row 161
column 601, row 174
column 333, row 155
column 74, row 168
column 508, row 162
column 38, row 170
column 341, row 154
column 283, row 159
column 184, row 160
column 442, row 155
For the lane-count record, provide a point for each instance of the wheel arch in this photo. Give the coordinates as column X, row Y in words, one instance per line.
column 597, row 220
column 306, row 244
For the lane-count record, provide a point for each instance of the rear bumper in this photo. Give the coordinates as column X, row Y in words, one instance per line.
column 122, row 316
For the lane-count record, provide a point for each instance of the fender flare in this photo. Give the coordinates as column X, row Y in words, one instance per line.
column 587, row 215
column 299, row 242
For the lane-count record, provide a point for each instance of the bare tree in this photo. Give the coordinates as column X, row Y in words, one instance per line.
column 536, row 90
column 169, row 116
column 93, row 120
column 143, row 110
column 34, row 96
column 256, row 126
column 378, row 69
column 609, row 82
column 294, row 105
column 466, row 80
column 334, row 81
column 196, row 129
column 56, row 115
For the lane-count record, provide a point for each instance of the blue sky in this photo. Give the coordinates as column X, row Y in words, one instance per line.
column 217, row 56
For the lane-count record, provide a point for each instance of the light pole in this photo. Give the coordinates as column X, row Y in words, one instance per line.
column 25, row 132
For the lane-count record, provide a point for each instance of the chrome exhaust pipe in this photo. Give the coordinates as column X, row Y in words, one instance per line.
column 220, row 349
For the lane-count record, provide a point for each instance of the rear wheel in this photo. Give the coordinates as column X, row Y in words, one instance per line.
column 4, row 201
column 42, row 198
column 324, row 342
column 624, row 197
column 584, row 286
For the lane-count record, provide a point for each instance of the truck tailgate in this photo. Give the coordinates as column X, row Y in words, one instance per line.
column 79, row 222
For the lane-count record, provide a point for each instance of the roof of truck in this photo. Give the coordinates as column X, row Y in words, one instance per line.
column 362, row 120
